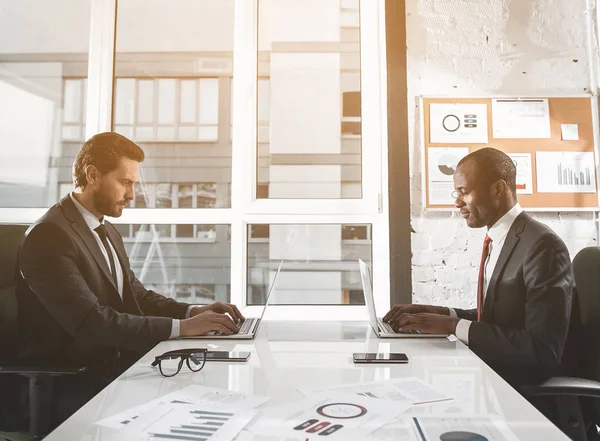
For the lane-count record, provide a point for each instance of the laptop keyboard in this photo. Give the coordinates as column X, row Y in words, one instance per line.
column 389, row 330
column 245, row 326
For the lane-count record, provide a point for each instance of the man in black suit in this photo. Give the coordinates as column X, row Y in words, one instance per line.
column 79, row 300
column 525, row 285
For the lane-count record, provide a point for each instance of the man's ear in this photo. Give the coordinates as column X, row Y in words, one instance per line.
column 91, row 174
column 500, row 188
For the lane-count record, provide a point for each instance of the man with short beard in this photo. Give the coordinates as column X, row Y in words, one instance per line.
column 79, row 301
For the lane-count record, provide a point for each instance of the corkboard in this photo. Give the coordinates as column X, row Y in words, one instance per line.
column 562, row 111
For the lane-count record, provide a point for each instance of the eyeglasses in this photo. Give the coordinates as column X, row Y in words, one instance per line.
column 456, row 193
column 170, row 363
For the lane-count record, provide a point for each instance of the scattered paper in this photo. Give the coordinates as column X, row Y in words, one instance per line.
column 186, row 422
column 524, row 172
column 402, row 429
column 338, row 416
column 190, row 395
column 569, row 132
column 528, row 118
column 565, row 172
column 246, row 435
column 460, row 428
column 410, row 389
column 458, row 123
column 441, row 165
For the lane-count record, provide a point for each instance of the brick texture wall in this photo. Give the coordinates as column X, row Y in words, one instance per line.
column 483, row 48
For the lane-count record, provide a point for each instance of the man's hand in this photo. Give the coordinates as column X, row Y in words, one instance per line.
column 205, row 322
column 425, row 323
column 221, row 308
column 398, row 310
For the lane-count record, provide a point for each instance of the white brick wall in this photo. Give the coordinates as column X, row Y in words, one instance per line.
column 486, row 47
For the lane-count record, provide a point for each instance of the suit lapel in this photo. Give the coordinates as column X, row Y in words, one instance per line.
column 83, row 231
column 511, row 241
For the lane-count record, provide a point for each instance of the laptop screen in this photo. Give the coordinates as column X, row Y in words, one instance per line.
column 271, row 289
column 365, row 277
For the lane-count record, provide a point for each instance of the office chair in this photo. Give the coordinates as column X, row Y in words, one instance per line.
column 39, row 377
column 576, row 396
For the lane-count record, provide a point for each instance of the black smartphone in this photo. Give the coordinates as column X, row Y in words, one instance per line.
column 372, row 357
column 227, row 356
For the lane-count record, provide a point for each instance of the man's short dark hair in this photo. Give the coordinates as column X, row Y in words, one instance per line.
column 493, row 165
column 104, row 151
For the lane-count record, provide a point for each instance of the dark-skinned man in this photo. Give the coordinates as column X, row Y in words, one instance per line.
column 525, row 285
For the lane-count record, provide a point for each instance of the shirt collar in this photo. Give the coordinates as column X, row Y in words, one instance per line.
column 89, row 218
column 500, row 229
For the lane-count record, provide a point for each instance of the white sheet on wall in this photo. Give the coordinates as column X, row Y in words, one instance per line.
column 441, row 165
column 524, row 172
column 529, row 119
column 458, row 123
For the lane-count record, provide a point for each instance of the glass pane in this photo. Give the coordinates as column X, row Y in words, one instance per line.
column 145, row 101
column 189, row 104
column 191, row 270
column 320, row 264
column 188, row 101
column 309, row 99
column 72, row 101
column 209, row 101
column 185, row 196
column 43, row 60
column 166, row 101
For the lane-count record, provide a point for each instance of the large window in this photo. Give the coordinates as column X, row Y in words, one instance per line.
column 43, row 69
column 309, row 99
column 320, row 265
column 262, row 126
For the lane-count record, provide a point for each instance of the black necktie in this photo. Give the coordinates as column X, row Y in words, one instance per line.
column 101, row 230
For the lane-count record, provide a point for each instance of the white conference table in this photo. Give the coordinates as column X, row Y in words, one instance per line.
column 290, row 355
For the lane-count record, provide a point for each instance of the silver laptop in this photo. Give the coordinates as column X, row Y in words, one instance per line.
column 248, row 327
column 381, row 328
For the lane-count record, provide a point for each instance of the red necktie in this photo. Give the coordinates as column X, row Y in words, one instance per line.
column 484, row 255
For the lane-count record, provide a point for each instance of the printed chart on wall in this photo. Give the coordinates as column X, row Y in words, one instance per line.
column 524, row 172
column 442, row 162
column 565, row 172
column 524, row 119
column 550, row 140
column 458, row 123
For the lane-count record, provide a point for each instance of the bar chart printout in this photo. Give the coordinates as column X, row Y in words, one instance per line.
column 565, row 172
column 192, row 422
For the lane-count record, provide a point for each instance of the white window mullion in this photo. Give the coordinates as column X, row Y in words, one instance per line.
column 100, row 67
column 243, row 161
column 381, row 232
column 370, row 64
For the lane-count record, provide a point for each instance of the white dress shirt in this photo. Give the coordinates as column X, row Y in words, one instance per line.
column 93, row 222
column 498, row 234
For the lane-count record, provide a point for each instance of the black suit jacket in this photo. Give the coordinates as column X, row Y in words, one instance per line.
column 70, row 309
column 526, row 312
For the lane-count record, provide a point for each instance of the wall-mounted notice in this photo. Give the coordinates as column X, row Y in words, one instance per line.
column 565, row 172
column 458, row 123
column 569, row 132
column 524, row 172
column 527, row 119
column 441, row 166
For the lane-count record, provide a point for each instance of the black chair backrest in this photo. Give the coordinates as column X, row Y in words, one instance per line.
column 11, row 237
column 586, row 269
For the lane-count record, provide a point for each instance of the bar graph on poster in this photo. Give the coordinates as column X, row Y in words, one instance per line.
column 565, row 172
